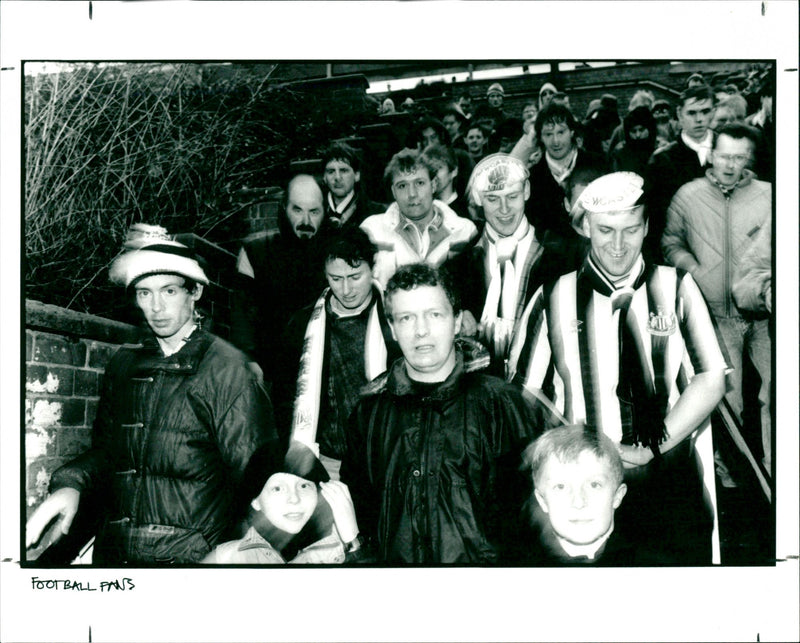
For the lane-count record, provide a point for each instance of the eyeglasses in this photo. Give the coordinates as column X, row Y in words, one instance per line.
column 736, row 159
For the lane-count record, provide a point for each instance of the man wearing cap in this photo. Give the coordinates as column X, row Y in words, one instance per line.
column 683, row 160
column 276, row 275
column 416, row 227
column 628, row 347
column 498, row 274
column 491, row 112
column 179, row 420
column 347, row 203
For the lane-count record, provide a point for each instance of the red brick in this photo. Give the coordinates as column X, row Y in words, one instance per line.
column 52, row 349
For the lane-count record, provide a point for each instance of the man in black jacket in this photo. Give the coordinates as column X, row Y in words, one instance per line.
column 181, row 423
column 433, row 450
column 683, row 160
column 277, row 275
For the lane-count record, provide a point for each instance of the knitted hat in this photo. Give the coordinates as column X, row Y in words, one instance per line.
column 495, row 88
column 149, row 250
column 549, row 86
column 493, row 174
column 616, row 192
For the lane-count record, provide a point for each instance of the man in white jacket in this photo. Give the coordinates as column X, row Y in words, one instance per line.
column 416, row 227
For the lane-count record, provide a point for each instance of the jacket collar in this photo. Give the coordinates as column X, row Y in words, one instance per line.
column 401, row 385
column 184, row 362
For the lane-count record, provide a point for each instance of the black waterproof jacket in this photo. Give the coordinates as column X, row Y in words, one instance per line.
column 434, row 472
column 172, row 440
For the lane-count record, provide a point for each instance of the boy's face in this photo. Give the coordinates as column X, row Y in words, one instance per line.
column 288, row 501
column 579, row 497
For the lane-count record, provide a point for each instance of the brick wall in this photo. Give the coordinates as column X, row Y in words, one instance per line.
column 65, row 357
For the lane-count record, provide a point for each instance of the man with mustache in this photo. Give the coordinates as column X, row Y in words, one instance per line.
column 276, row 275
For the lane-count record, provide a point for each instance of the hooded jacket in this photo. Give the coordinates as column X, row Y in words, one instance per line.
column 632, row 155
column 707, row 233
column 171, row 443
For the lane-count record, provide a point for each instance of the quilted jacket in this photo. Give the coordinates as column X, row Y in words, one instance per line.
column 707, row 233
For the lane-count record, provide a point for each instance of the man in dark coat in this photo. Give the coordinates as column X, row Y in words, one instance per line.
column 277, row 274
column 683, row 160
column 555, row 130
column 433, row 451
column 346, row 202
column 181, row 423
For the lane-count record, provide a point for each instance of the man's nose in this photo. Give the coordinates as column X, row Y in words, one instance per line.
column 421, row 327
column 618, row 241
column 346, row 287
column 578, row 498
column 157, row 303
column 294, row 497
column 412, row 190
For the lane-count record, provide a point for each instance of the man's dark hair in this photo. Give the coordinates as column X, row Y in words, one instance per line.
column 420, row 274
column 350, row 244
column 406, row 161
column 436, row 125
column 452, row 111
column 737, row 131
column 436, row 154
column 480, row 125
column 553, row 114
column 701, row 92
column 341, row 152
column 189, row 284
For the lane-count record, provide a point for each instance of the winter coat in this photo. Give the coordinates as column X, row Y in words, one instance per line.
column 434, row 469
column 707, row 233
column 171, row 442
column 253, row 549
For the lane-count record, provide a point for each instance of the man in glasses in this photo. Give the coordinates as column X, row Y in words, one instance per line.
column 711, row 223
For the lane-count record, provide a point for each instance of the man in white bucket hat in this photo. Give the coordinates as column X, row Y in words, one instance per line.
column 180, row 419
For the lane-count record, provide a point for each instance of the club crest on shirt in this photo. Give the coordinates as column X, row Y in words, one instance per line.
column 661, row 323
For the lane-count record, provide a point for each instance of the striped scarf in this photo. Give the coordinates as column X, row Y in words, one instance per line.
column 305, row 418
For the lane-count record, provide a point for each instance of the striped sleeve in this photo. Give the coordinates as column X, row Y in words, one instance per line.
column 697, row 328
column 530, row 355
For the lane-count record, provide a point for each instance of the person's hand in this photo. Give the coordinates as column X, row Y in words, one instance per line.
column 634, row 456
column 469, row 327
column 344, row 514
column 63, row 503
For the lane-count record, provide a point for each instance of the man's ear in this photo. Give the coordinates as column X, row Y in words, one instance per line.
column 198, row 292
column 458, row 322
column 619, row 494
column 391, row 327
column 540, row 499
column 357, row 176
column 585, row 224
column 255, row 504
column 527, row 191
